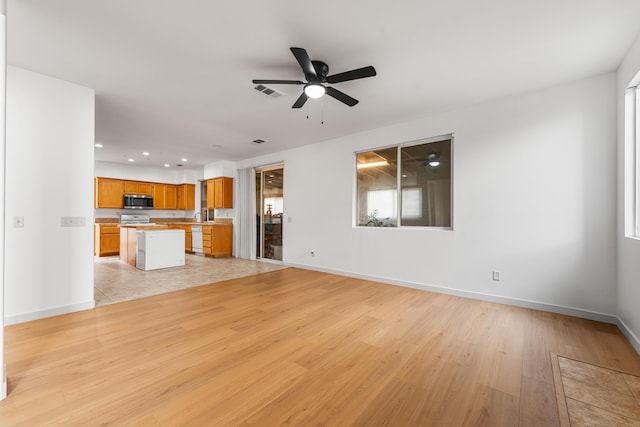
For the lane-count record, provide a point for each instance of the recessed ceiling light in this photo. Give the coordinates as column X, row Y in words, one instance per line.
column 145, row 153
column 98, row 145
column 131, row 160
column 183, row 159
column 166, row 165
column 216, row 146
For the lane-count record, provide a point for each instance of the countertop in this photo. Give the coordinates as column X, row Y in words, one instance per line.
column 210, row 223
column 145, row 226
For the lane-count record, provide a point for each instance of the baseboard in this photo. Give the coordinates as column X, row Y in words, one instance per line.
column 35, row 315
column 3, row 390
column 535, row 305
column 631, row 337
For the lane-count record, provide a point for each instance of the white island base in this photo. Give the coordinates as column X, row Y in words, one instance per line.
column 159, row 249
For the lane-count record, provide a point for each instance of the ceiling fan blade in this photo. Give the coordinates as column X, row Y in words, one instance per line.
column 359, row 73
column 341, row 96
column 305, row 62
column 277, row 82
column 300, row 101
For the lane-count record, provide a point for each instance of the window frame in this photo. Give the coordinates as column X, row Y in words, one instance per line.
column 399, row 147
column 636, row 162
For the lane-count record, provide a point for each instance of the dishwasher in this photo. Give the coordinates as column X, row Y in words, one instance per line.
column 196, row 239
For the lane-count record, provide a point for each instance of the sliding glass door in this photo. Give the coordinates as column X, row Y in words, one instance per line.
column 270, row 211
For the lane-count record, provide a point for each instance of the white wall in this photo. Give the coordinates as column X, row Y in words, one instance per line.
column 628, row 248
column 139, row 173
column 49, row 174
column 534, row 187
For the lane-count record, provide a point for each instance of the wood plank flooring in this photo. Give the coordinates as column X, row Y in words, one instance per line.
column 301, row 348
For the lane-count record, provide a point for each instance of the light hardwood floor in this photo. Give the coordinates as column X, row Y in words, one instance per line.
column 296, row 347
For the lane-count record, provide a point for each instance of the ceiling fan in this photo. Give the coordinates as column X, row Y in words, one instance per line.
column 315, row 72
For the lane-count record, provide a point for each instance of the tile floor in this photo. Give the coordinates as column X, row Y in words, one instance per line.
column 115, row 281
column 598, row 396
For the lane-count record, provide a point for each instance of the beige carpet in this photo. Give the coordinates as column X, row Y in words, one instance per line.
column 592, row 395
column 116, row 281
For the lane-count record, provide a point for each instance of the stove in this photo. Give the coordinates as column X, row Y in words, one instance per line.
column 134, row 219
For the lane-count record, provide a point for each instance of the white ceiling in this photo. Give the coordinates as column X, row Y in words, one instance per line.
column 174, row 77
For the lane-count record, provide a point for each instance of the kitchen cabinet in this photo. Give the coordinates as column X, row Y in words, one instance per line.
column 106, row 240
column 187, row 197
column 171, row 196
column 220, row 193
column 108, row 193
column 217, row 240
column 158, row 196
column 137, row 187
column 165, row 196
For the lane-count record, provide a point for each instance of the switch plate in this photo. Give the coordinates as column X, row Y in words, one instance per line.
column 495, row 275
column 73, row 221
column 18, row 221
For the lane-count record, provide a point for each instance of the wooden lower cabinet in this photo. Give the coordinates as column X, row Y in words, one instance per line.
column 106, row 240
column 217, row 240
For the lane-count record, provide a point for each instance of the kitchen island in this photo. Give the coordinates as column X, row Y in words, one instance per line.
column 129, row 242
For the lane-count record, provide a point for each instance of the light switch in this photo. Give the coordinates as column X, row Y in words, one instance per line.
column 73, row 221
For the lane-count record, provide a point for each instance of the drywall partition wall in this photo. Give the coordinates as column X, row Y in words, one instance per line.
column 534, row 191
column 49, row 174
column 3, row 92
column 628, row 248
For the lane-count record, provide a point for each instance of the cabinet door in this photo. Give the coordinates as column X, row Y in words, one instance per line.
column 130, row 187
column 145, row 188
column 158, row 196
column 110, row 244
column 187, row 242
column 210, row 202
column 108, row 193
column 187, row 197
column 171, row 196
column 222, row 193
column 221, row 241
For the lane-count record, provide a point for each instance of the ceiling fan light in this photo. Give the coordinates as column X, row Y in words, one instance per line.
column 314, row 90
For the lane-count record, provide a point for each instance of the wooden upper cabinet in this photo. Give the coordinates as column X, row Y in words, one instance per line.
column 108, row 193
column 137, row 187
column 187, row 197
column 210, row 194
column 165, row 196
column 158, row 196
column 220, row 193
column 171, row 196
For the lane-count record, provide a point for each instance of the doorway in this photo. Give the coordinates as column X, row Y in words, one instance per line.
column 270, row 211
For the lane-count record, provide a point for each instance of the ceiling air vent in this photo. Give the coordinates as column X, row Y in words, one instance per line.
column 268, row 91
column 258, row 141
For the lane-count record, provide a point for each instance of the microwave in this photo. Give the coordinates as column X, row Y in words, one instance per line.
column 138, row 201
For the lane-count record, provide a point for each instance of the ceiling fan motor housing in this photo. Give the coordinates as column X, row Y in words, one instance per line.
column 322, row 71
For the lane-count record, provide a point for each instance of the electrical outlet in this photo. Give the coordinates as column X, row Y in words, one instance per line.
column 18, row 221
column 495, row 275
column 313, row 252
